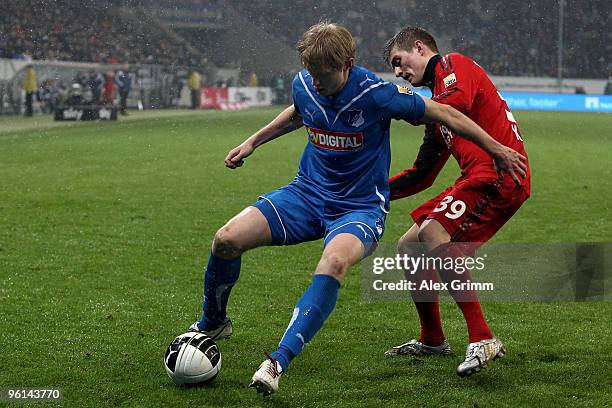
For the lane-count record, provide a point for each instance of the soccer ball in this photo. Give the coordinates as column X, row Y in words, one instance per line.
column 192, row 359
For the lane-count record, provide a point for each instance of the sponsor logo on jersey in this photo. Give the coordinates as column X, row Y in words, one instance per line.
column 326, row 139
column 404, row 90
column 450, row 80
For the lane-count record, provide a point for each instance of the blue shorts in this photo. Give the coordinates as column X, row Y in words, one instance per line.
column 298, row 213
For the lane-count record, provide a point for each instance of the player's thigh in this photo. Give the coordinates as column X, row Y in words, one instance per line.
column 366, row 223
column 293, row 214
column 341, row 252
column 247, row 230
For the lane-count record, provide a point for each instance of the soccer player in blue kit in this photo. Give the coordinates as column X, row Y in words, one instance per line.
column 340, row 193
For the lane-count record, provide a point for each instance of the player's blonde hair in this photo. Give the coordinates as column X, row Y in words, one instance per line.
column 326, row 45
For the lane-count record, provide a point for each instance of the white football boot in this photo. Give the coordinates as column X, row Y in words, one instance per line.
column 478, row 354
column 265, row 380
column 222, row 332
column 417, row 348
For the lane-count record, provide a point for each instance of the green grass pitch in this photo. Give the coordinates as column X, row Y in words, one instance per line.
column 105, row 229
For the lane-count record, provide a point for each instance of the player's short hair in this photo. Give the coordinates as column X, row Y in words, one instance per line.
column 404, row 40
column 326, row 45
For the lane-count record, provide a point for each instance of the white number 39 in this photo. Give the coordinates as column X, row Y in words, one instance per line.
column 455, row 210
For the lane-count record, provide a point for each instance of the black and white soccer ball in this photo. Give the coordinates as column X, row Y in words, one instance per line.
column 192, row 359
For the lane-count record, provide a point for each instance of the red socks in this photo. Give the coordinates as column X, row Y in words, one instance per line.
column 431, row 326
column 476, row 324
column 428, row 307
column 467, row 300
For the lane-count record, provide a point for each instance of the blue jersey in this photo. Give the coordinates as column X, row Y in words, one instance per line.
column 348, row 152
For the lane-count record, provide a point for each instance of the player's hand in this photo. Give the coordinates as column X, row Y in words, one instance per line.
column 235, row 158
column 510, row 161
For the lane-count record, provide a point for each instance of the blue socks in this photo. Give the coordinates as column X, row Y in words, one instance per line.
column 219, row 278
column 311, row 311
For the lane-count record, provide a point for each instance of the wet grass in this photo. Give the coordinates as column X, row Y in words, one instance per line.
column 105, row 228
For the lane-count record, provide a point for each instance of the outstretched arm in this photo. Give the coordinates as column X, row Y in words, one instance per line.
column 506, row 159
column 287, row 121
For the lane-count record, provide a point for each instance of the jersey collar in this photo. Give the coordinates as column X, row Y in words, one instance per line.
column 430, row 71
column 330, row 101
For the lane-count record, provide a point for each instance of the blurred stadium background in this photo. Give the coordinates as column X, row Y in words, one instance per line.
column 105, row 226
column 244, row 50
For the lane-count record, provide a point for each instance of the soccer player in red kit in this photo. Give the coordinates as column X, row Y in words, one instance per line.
column 472, row 210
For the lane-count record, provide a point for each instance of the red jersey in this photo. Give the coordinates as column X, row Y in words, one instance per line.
column 458, row 81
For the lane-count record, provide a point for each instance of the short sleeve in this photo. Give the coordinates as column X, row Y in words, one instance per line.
column 399, row 102
column 459, row 82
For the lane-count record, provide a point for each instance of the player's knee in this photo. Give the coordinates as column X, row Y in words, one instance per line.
column 428, row 234
column 226, row 244
column 407, row 245
column 424, row 234
column 334, row 265
column 431, row 236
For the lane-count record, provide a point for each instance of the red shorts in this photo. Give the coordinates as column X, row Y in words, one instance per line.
column 473, row 210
